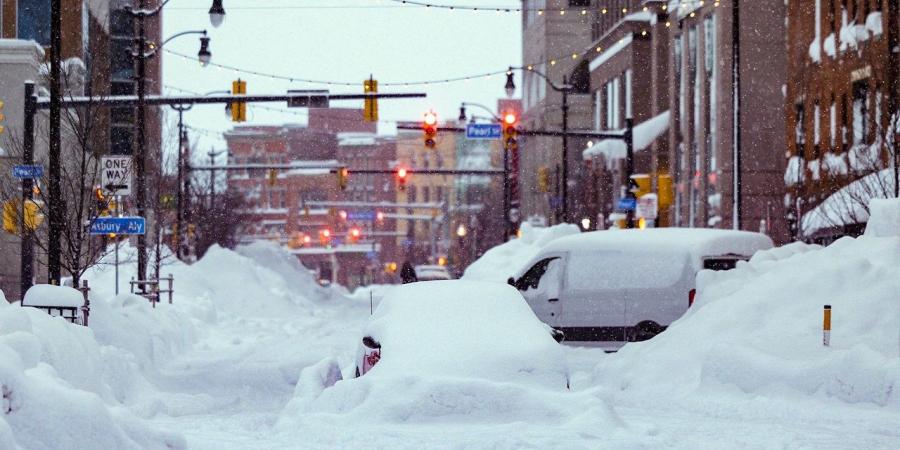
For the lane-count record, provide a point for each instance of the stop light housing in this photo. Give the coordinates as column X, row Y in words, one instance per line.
column 2, row 118
column 509, row 123
column 239, row 109
column 543, row 179
column 402, row 175
column 429, row 128
column 343, row 174
column 370, row 105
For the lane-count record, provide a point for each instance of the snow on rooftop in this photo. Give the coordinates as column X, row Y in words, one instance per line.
column 697, row 242
column 644, row 135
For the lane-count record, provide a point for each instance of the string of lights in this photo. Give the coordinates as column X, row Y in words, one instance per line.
column 465, row 78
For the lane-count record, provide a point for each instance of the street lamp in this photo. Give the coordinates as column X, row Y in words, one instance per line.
column 461, row 231
column 204, row 55
column 140, row 53
column 216, row 13
column 565, row 88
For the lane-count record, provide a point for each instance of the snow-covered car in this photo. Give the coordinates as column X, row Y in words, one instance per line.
column 460, row 329
column 432, row 273
column 618, row 286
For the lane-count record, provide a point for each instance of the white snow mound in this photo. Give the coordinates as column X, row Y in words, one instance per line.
column 758, row 328
column 502, row 261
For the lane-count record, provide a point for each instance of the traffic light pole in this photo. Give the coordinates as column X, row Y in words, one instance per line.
column 27, row 259
column 629, row 168
column 565, row 147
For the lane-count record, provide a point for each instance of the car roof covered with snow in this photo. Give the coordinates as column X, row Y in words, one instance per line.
column 698, row 243
column 464, row 329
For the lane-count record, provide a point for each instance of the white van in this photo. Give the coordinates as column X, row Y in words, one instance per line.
column 617, row 286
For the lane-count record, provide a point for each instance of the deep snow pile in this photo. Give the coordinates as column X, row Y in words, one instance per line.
column 68, row 386
column 758, row 328
column 455, row 351
column 62, row 389
column 502, row 261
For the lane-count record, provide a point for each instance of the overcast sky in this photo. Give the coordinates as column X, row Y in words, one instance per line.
column 343, row 40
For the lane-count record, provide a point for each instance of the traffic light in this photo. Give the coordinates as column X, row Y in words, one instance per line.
column 343, row 174
column 353, row 235
column 2, row 118
column 324, row 236
column 543, row 179
column 100, row 197
column 510, row 121
column 401, row 178
column 429, row 126
column 239, row 109
column 379, row 217
column 370, row 105
column 12, row 210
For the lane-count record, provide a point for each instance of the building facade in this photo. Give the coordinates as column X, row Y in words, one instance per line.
column 841, row 107
column 552, row 32
column 702, row 81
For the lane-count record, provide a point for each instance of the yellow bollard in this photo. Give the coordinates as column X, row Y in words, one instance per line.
column 826, row 326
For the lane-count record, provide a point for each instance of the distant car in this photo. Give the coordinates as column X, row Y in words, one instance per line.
column 618, row 286
column 462, row 329
column 432, row 273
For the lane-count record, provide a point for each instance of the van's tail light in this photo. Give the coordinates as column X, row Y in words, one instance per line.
column 691, row 296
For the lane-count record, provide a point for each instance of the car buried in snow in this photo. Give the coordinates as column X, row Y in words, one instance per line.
column 617, row 286
column 461, row 329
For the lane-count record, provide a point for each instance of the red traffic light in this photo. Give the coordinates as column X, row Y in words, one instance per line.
column 354, row 232
column 430, row 118
column 401, row 173
column 326, row 233
column 510, row 118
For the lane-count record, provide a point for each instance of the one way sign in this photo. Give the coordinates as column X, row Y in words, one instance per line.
column 116, row 174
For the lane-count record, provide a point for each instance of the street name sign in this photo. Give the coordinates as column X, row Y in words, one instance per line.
column 483, row 131
column 30, row 171
column 627, row 203
column 364, row 216
column 116, row 174
column 118, row 225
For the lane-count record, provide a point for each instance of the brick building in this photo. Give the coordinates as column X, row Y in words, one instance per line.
column 672, row 61
column 841, row 96
column 279, row 209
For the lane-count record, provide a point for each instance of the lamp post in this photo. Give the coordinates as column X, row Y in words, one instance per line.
column 140, row 54
column 565, row 88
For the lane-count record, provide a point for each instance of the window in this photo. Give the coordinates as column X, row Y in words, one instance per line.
column 411, row 194
column 426, row 194
column 121, row 139
column 799, row 127
column 628, row 75
column 860, row 112
column 832, row 121
column 579, row 3
column 120, row 23
column 34, row 21
column 531, row 279
column 612, row 104
column 439, row 194
column 817, row 124
column 598, row 110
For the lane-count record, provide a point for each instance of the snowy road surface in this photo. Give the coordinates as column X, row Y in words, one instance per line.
column 219, row 369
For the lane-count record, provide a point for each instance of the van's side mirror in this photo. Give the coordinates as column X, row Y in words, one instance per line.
column 511, row 281
column 371, row 343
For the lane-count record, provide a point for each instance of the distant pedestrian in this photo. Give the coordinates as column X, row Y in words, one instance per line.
column 408, row 273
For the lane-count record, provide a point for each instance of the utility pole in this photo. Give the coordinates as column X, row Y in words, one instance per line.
column 893, row 68
column 736, row 117
column 565, row 149
column 180, row 194
column 56, row 205
column 27, row 260
column 141, row 144
column 629, row 169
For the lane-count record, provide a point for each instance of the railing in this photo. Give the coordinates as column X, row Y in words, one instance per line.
column 150, row 289
column 69, row 313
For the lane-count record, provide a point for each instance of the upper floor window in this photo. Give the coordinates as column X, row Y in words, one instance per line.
column 34, row 21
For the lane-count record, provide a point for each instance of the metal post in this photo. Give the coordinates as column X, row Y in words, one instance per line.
column 506, row 222
column 736, row 93
column 86, row 308
column 54, row 248
column 27, row 255
column 565, row 150
column 179, row 196
column 187, row 189
column 118, row 202
column 629, row 167
column 139, row 156
column 212, row 179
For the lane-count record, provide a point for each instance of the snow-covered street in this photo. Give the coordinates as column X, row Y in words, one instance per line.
column 240, row 360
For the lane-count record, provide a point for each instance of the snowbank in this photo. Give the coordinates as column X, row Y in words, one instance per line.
column 56, row 391
column 757, row 330
column 457, row 350
column 502, row 261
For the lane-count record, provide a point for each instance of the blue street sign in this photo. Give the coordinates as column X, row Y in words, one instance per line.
column 627, row 203
column 363, row 216
column 483, row 131
column 34, row 171
column 118, row 225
